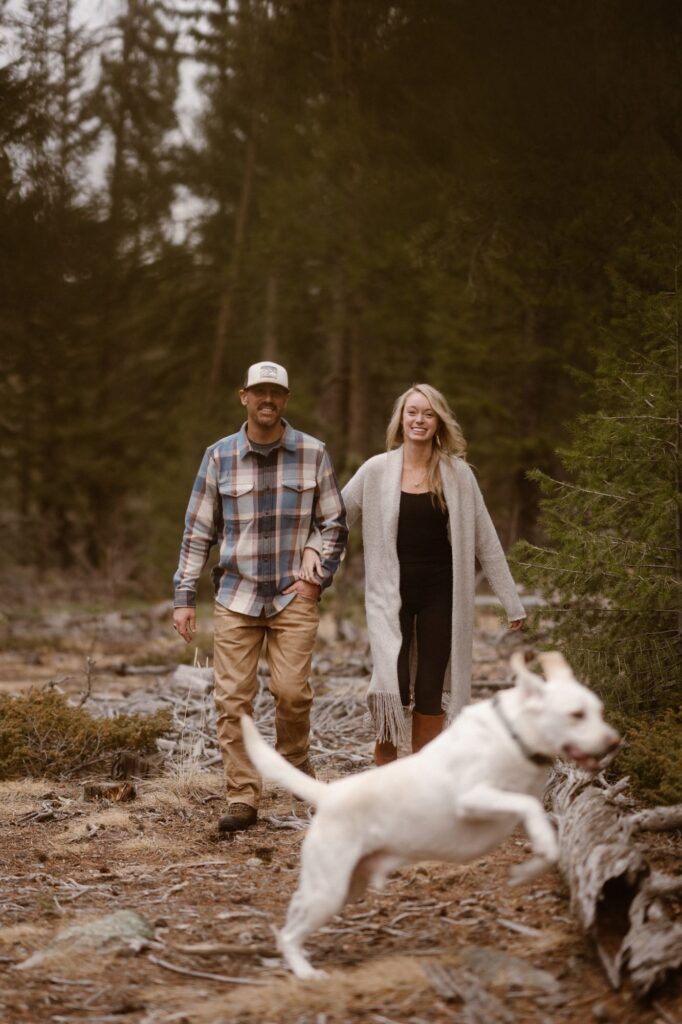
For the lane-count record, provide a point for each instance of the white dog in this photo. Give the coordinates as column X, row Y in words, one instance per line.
column 455, row 800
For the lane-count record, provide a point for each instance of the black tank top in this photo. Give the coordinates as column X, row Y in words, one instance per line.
column 422, row 533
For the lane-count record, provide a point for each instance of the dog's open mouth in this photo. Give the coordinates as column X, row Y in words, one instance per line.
column 587, row 761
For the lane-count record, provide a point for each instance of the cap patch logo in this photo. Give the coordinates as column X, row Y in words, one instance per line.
column 262, row 373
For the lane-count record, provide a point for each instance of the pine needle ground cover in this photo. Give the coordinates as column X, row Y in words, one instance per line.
column 42, row 735
column 213, row 903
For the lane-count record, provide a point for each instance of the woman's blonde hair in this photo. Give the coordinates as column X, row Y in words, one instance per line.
column 447, row 440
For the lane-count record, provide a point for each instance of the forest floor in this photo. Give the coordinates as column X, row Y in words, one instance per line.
column 440, row 943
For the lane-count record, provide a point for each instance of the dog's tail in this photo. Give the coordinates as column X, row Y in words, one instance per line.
column 273, row 766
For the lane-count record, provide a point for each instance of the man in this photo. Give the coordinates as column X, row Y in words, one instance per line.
column 260, row 493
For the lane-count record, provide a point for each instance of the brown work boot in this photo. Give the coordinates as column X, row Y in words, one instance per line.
column 425, row 728
column 384, row 752
column 238, row 817
column 307, row 768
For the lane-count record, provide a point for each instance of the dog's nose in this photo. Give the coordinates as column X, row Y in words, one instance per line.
column 615, row 740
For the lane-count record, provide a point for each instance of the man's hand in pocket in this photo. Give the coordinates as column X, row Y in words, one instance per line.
column 308, row 591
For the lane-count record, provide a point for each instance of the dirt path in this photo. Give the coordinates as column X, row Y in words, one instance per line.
column 440, row 943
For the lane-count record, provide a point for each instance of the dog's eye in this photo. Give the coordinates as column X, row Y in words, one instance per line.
column 577, row 715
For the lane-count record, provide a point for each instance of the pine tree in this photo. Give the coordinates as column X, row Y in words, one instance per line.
column 127, row 359
column 47, row 138
column 612, row 567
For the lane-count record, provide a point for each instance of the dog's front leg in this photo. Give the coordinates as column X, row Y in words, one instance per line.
column 484, row 801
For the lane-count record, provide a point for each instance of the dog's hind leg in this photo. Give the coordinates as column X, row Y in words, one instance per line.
column 308, row 911
column 303, row 917
column 322, row 891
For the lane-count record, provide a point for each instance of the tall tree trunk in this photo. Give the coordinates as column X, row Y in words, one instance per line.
column 270, row 345
column 65, row 99
column 98, row 489
column 333, row 394
column 524, row 503
column 358, row 395
column 120, row 133
column 678, row 450
column 231, row 280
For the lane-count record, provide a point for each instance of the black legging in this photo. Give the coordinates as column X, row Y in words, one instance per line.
column 427, row 596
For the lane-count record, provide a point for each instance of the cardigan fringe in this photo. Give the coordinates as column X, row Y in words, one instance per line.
column 392, row 721
column 388, row 717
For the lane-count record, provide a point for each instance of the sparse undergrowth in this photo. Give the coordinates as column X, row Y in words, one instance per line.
column 41, row 734
column 652, row 756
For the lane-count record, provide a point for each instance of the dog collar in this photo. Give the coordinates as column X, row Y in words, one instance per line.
column 539, row 759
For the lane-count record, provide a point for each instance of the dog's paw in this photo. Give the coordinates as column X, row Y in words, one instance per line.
column 545, row 846
column 310, row 973
column 529, row 870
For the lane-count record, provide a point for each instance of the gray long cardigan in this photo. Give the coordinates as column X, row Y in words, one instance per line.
column 373, row 494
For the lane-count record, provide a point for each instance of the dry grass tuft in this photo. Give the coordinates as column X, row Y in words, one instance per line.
column 146, row 844
column 188, row 779
column 24, row 935
column 73, row 963
column 193, row 785
column 176, row 788
column 110, row 817
column 370, row 986
column 20, row 796
column 550, row 940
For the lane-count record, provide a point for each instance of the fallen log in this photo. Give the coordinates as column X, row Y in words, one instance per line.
column 615, row 895
column 123, row 669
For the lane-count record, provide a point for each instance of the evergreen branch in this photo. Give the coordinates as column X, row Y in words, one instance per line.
column 627, row 459
column 600, row 573
column 565, row 485
column 630, row 388
column 633, row 613
column 624, row 418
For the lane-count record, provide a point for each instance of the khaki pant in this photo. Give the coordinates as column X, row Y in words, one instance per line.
column 237, row 645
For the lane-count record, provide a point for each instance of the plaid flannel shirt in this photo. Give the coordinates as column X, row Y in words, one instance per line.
column 261, row 509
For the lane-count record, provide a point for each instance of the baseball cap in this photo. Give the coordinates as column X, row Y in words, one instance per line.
column 267, row 373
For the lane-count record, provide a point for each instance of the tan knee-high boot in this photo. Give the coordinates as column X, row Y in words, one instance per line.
column 384, row 752
column 425, row 728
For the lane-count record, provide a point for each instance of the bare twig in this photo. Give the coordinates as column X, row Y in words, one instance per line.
column 196, row 864
column 230, row 915
column 663, row 1013
column 659, row 884
column 657, row 819
column 89, row 666
column 143, row 670
column 203, row 974
column 223, row 949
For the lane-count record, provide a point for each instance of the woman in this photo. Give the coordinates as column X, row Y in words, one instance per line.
column 423, row 523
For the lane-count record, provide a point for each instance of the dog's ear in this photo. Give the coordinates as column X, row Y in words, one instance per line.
column 555, row 666
column 530, row 684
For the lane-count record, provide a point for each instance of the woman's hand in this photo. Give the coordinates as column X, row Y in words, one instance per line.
column 516, row 624
column 311, row 566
